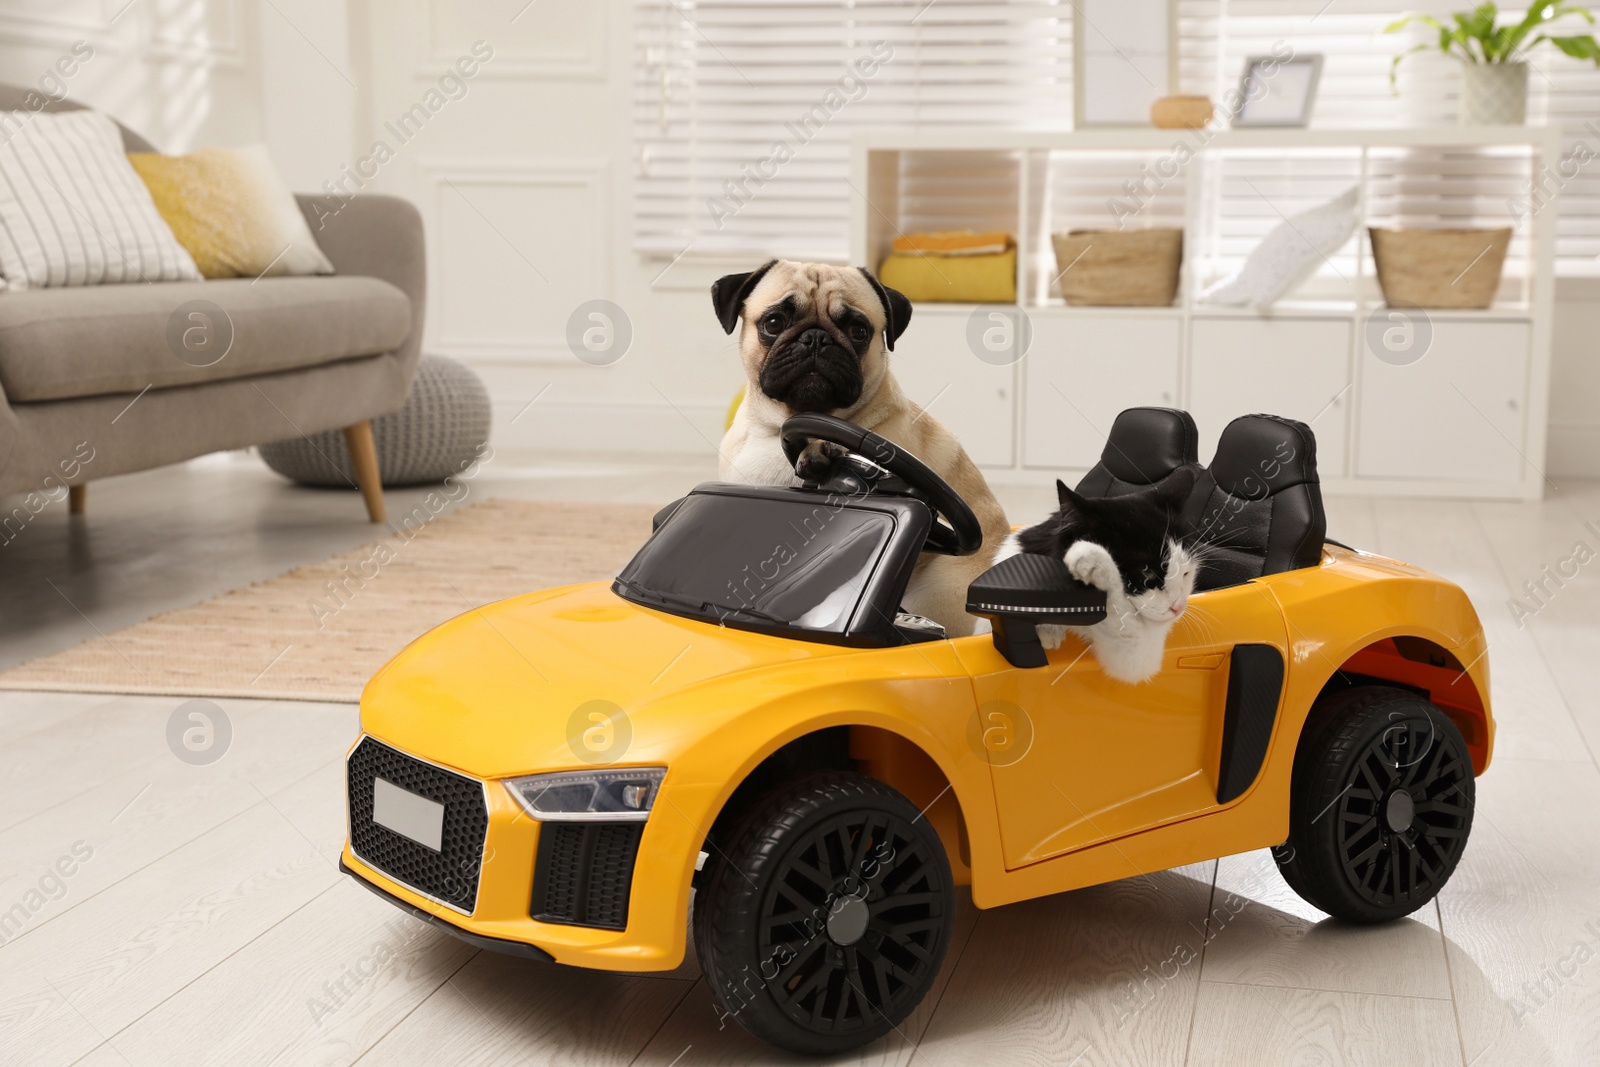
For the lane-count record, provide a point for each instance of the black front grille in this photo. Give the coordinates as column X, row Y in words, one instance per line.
column 449, row 875
column 584, row 873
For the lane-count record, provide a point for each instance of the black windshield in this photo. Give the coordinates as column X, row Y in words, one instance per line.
column 800, row 563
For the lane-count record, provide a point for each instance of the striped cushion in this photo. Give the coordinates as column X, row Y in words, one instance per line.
column 72, row 210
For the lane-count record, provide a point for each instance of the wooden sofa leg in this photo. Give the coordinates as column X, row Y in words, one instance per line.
column 77, row 498
column 364, row 458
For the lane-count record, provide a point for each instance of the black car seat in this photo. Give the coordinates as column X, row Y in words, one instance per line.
column 1258, row 508
column 1145, row 445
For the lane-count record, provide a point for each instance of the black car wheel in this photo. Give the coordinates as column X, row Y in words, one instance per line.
column 1380, row 807
column 826, row 920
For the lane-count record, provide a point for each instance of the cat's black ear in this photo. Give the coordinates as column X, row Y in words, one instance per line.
column 1068, row 500
column 896, row 309
column 729, row 291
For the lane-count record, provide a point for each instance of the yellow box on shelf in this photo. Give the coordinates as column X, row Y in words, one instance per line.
column 983, row 278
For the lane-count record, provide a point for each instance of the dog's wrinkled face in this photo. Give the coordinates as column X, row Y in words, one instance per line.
column 815, row 335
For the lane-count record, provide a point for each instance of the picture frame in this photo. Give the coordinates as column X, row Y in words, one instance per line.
column 1278, row 91
column 1124, row 58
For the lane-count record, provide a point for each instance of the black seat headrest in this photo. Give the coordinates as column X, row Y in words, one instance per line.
column 1145, row 445
column 1257, row 509
column 1261, row 454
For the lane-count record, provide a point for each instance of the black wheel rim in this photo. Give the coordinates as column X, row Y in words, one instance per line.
column 867, row 856
column 1389, row 866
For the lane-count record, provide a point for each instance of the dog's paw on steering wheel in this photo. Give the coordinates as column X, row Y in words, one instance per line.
column 817, row 460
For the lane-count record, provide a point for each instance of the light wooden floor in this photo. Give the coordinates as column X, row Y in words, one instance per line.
column 204, row 922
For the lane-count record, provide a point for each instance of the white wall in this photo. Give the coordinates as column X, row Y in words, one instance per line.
column 182, row 72
column 1575, row 381
column 523, row 178
column 525, row 184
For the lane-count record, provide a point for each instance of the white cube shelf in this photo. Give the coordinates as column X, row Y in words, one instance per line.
column 1465, row 418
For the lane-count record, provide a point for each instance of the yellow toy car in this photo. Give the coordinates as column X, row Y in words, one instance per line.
column 745, row 713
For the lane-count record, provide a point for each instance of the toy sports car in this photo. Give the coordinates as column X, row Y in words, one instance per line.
column 745, row 712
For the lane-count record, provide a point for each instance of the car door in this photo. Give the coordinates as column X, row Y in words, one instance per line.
column 1078, row 758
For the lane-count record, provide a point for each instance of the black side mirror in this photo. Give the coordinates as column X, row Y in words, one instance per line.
column 1019, row 593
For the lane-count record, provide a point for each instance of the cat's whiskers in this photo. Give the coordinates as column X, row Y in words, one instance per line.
column 1208, row 625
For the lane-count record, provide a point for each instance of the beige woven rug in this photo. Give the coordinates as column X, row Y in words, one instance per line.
column 319, row 632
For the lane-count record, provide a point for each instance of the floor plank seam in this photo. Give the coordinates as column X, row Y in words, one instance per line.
column 69, row 797
column 916, row 1047
column 1316, row 989
column 662, row 1025
column 47, row 693
column 1450, row 978
column 412, row 1010
column 177, row 992
column 175, row 848
column 1199, row 975
column 1507, row 584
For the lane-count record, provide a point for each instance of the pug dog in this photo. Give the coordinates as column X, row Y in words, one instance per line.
column 817, row 338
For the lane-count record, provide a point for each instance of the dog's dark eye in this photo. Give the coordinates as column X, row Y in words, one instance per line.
column 772, row 324
column 861, row 332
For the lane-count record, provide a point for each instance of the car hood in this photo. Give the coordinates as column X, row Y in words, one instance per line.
column 516, row 686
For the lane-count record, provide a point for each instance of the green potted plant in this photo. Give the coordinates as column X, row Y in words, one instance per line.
column 1494, row 66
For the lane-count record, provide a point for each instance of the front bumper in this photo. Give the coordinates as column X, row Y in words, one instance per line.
column 497, row 909
column 493, row 944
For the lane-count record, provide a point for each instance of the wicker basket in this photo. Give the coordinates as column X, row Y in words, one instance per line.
column 1439, row 268
column 1124, row 268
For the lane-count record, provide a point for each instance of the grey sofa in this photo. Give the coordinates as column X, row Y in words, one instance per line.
column 92, row 370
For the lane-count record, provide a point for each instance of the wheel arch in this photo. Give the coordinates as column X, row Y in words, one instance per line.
column 1423, row 665
column 874, row 751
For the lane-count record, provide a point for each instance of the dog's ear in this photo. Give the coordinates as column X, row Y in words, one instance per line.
column 896, row 309
column 729, row 291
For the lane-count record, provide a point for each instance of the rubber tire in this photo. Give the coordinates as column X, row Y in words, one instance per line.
column 726, row 917
column 1341, row 728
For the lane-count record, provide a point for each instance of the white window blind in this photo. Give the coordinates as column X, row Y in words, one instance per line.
column 744, row 108
column 720, row 84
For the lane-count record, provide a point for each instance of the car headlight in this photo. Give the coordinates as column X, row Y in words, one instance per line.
column 622, row 795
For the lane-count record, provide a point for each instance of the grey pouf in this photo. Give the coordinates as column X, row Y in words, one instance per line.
column 436, row 433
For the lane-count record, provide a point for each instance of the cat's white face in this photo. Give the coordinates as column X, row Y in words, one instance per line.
column 1164, row 606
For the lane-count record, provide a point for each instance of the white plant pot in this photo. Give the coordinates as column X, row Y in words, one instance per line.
column 1494, row 94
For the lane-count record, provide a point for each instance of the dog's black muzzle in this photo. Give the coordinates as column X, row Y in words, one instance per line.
column 813, row 372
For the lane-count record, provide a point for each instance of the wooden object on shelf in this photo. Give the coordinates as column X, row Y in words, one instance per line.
column 1439, row 268
column 1119, row 268
column 77, row 498
column 1181, row 112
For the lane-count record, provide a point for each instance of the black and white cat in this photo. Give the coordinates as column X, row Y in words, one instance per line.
column 1128, row 547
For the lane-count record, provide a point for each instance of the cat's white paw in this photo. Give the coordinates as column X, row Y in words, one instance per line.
column 1050, row 635
column 1092, row 565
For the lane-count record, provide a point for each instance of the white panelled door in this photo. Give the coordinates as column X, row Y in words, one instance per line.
column 1297, row 368
column 1456, row 413
column 1083, row 369
column 938, row 370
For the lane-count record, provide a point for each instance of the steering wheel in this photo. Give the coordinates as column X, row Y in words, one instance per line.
column 962, row 537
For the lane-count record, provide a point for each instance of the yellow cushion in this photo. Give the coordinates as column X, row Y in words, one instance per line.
column 990, row 279
column 232, row 211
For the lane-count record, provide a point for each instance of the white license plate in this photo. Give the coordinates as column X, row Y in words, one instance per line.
column 407, row 814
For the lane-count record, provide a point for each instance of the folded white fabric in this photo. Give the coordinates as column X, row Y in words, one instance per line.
column 1288, row 255
column 72, row 210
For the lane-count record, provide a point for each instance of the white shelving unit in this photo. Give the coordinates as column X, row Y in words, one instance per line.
column 1467, row 419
